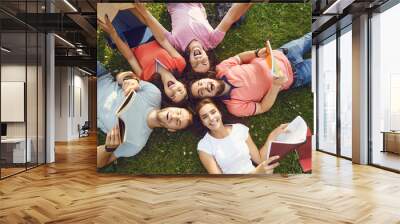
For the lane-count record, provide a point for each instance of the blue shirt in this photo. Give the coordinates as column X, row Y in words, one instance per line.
column 110, row 96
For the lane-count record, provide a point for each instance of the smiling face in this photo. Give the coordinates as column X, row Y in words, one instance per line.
column 210, row 116
column 174, row 118
column 198, row 58
column 207, row 88
column 175, row 90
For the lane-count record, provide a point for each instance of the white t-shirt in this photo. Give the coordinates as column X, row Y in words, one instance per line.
column 231, row 153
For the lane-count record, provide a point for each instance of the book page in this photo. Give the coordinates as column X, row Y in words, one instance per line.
column 296, row 132
column 269, row 57
column 121, row 108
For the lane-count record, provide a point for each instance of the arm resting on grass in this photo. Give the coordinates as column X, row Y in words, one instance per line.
column 121, row 45
column 156, row 28
column 233, row 15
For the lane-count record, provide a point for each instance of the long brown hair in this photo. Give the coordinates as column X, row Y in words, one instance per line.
column 227, row 118
column 166, row 101
column 212, row 58
column 203, row 102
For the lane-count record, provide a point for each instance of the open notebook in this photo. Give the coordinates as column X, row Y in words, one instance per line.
column 297, row 137
column 124, row 108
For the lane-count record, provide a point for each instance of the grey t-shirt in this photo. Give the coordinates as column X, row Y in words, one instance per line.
column 109, row 97
column 134, row 114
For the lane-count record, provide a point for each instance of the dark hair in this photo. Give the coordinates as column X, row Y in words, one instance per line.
column 190, row 78
column 191, row 113
column 165, row 100
column 227, row 118
column 212, row 58
column 115, row 73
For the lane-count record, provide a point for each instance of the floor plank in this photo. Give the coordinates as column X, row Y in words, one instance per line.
column 71, row 191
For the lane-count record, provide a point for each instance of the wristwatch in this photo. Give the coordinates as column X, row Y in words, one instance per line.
column 256, row 52
column 110, row 149
column 137, row 79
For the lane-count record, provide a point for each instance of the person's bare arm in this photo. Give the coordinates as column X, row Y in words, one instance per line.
column 112, row 141
column 264, row 153
column 254, row 153
column 156, row 28
column 103, row 157
column 246, row 57
column 121, row 45
column 268, row 101
column 209, row 163
column 233, row 15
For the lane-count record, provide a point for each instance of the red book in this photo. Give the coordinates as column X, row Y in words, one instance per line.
column 305, row 154
column 282, row 149
column 297, row 137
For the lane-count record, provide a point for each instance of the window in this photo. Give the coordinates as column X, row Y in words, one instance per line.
column 346, row 92
column 22, row 74
column 327, row 95
column 385, row 87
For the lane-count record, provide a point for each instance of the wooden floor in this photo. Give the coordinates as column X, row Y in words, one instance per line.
column 10, row 171
column 387, row 159
column 70, row 191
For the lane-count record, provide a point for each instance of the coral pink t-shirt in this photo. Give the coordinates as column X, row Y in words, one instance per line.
column 251, row 82
column 148, row 53
column 189, row 22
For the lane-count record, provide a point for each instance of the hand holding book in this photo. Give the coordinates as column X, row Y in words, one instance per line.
column 113, row 139
column 277, row 131
column 267, row 166
column 292, row 138
column 272, row 65
column 288, row 138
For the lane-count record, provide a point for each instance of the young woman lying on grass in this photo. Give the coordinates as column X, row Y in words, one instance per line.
column 228, row 148
column 157, row 62
column 191, row 32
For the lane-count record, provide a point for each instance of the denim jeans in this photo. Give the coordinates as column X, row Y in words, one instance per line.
column 130, row 29
column 296, row 49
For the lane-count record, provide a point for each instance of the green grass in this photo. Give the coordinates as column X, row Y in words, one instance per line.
column 175, row 153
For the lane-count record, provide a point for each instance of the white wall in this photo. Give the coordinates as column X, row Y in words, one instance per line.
column 70, row 83
column 33, row 127
column 16, row 73
column 12, row 73
column 61, row 103
column 80, row 84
